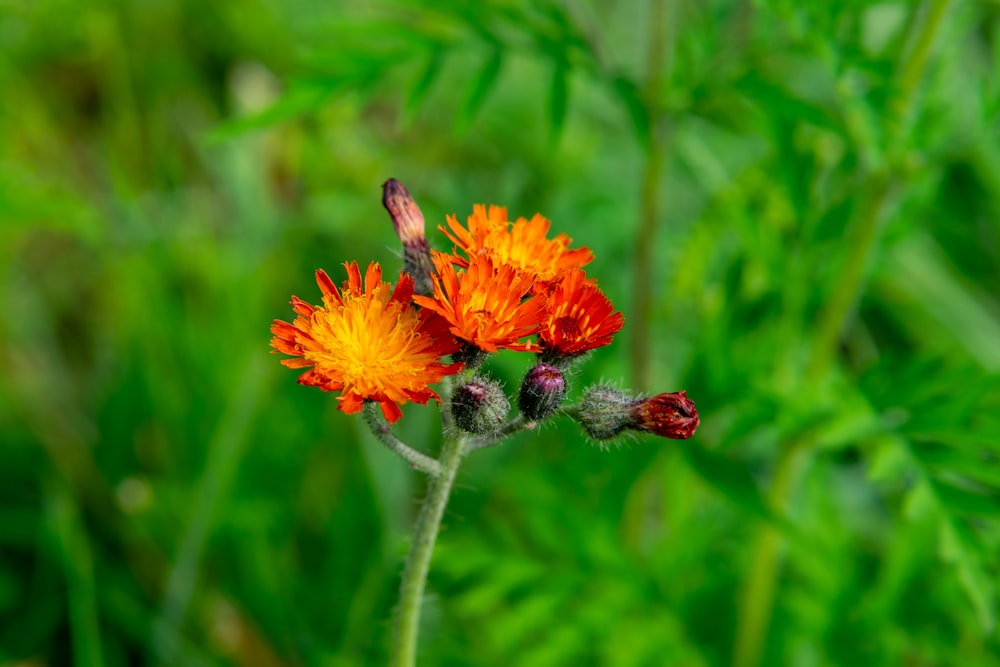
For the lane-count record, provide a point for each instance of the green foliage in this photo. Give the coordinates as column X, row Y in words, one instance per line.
column 825, row 269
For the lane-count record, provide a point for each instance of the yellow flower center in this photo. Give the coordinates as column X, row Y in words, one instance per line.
column 369, row 340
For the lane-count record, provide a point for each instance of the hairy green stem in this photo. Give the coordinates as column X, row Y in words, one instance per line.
column 758, row 599
column 411, row 590
column 381, row 429
column 515, row 425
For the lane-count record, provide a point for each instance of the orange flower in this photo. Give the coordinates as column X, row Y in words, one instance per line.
column 580, row 317
column 522, row 244
column 484, row 303
column 367, row 342
column 480, row 224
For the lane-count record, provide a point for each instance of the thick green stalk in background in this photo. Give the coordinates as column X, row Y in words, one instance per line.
column 642, row 311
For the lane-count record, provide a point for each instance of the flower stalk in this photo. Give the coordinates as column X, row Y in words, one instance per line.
column 418, row 561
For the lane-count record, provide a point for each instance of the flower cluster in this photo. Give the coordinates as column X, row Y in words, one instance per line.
column 505, row 281
column 504, row 285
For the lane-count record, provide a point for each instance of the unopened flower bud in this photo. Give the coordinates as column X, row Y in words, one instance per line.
column 671, row 415
column 605, row 412
column 479, row 406
column 542, row 392
column 408, row 223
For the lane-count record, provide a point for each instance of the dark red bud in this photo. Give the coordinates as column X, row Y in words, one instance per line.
column 671, row 415
column 407, row 220
column 542, row 392
column 408, row 223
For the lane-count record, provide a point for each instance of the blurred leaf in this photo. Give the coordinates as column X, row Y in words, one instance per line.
column 629, row 94
column 304, row 97
column 957, row 548
column 78, row 570
column 430, row 73
column 732, row 480
column 778, row 102
column 558, row 100
column 481, row 88
column 982, row 502
column 969, row 316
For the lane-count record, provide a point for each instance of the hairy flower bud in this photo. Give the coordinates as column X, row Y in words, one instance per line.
column 605, row 411
column 542, row 392
column 671, row 415
column 408, row 223
column 479, row 406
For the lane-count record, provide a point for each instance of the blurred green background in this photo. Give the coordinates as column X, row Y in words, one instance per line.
column 796, row 206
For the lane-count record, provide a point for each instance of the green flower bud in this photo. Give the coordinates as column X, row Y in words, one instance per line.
column 605, row 412
column 479, row 406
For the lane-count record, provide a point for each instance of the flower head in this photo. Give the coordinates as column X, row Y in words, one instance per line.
column 367, row 341
column 522, row 244
column 484, row 303
column 580, row 317
column 671, row 415
column 472, row 238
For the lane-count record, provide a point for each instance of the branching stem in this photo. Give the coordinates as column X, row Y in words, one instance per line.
column 381, row 429
column 515, row 425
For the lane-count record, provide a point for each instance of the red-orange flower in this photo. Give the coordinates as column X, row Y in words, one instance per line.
column 368, row 342
column 480, row 225
column 484, row 303
column 580, row 317
column 522, row 244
